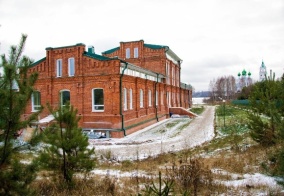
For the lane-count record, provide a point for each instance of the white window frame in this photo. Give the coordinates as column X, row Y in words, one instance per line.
column 130, row 99
column 168, row 72
column 59, row 68
column 71, row 66
column 125, row 98
column 95, row 108
column 136, row 54
column 157, row 98
column 150, row 97
column 162, row 98
column 169, row 98
column 35, row 107
column 141, row 98
column 127, row 53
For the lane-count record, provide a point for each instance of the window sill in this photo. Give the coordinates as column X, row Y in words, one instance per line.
column 97, row 110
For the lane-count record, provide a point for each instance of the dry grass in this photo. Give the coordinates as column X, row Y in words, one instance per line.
column 240, row 161
column 216, row 161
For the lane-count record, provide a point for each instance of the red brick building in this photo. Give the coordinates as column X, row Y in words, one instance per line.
column 119, row 92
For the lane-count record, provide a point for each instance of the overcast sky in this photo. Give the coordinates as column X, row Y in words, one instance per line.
column 213, row 37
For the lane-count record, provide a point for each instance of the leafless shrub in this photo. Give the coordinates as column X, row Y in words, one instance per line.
column 191, row 175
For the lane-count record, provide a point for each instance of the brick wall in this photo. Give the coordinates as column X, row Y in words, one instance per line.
column 91, row 73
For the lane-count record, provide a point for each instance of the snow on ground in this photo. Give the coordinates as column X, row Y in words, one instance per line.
column 247, row 180
column 164, row 136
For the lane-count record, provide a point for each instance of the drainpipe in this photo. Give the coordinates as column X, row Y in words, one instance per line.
column 156, row 98
column 120, row 91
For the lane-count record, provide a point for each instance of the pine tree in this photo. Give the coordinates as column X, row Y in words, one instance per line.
column 66, row 151
column 16, row 87
column 265, row 118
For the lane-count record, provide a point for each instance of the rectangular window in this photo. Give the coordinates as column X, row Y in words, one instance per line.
column 150, row 97
column 127, row 55
column 98, row 100
column 157, row 98
column 177, row 78
column 173, row 76
column 36, row 101
column 130, row 99
column 71, row 66
column 59, row 67
column 162, row 98
column 169, row 98
column 135, row 52
column 141, row 98
column 125, row 98
column 168, row 73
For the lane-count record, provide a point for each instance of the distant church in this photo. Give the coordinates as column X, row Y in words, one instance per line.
column 244, row 78
column 262, row 72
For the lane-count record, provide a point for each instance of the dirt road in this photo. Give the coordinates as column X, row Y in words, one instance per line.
column 158, row 138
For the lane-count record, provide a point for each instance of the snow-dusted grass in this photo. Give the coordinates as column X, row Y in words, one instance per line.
column 233, row 158
column 126, row 165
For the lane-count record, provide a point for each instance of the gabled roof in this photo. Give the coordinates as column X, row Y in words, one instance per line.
column 111, row 50
column 152, row 46
column 38, row 62
column 96, row 56
column 61, row 47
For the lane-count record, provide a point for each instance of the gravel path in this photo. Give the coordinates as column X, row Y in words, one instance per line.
column 162, row 137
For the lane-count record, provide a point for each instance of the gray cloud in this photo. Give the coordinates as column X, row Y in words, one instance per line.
column 213, row 37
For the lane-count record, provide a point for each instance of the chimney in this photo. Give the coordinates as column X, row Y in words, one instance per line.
column 91, row 49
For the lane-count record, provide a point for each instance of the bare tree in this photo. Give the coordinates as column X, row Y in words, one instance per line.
column 223, row 87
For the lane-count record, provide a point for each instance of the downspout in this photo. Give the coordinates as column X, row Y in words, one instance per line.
column 120, row 91
column 186, row 101
column 156, row 98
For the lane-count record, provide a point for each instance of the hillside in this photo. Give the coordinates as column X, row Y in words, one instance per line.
column 202, row 156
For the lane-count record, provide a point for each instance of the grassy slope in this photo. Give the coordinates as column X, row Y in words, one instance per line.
column 228, row 157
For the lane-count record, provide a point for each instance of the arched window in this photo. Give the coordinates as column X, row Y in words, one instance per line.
column 36, row 101
column 98, row 100
column 64, row 97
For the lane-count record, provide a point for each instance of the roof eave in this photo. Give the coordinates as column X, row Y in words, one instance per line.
column 173, row 55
